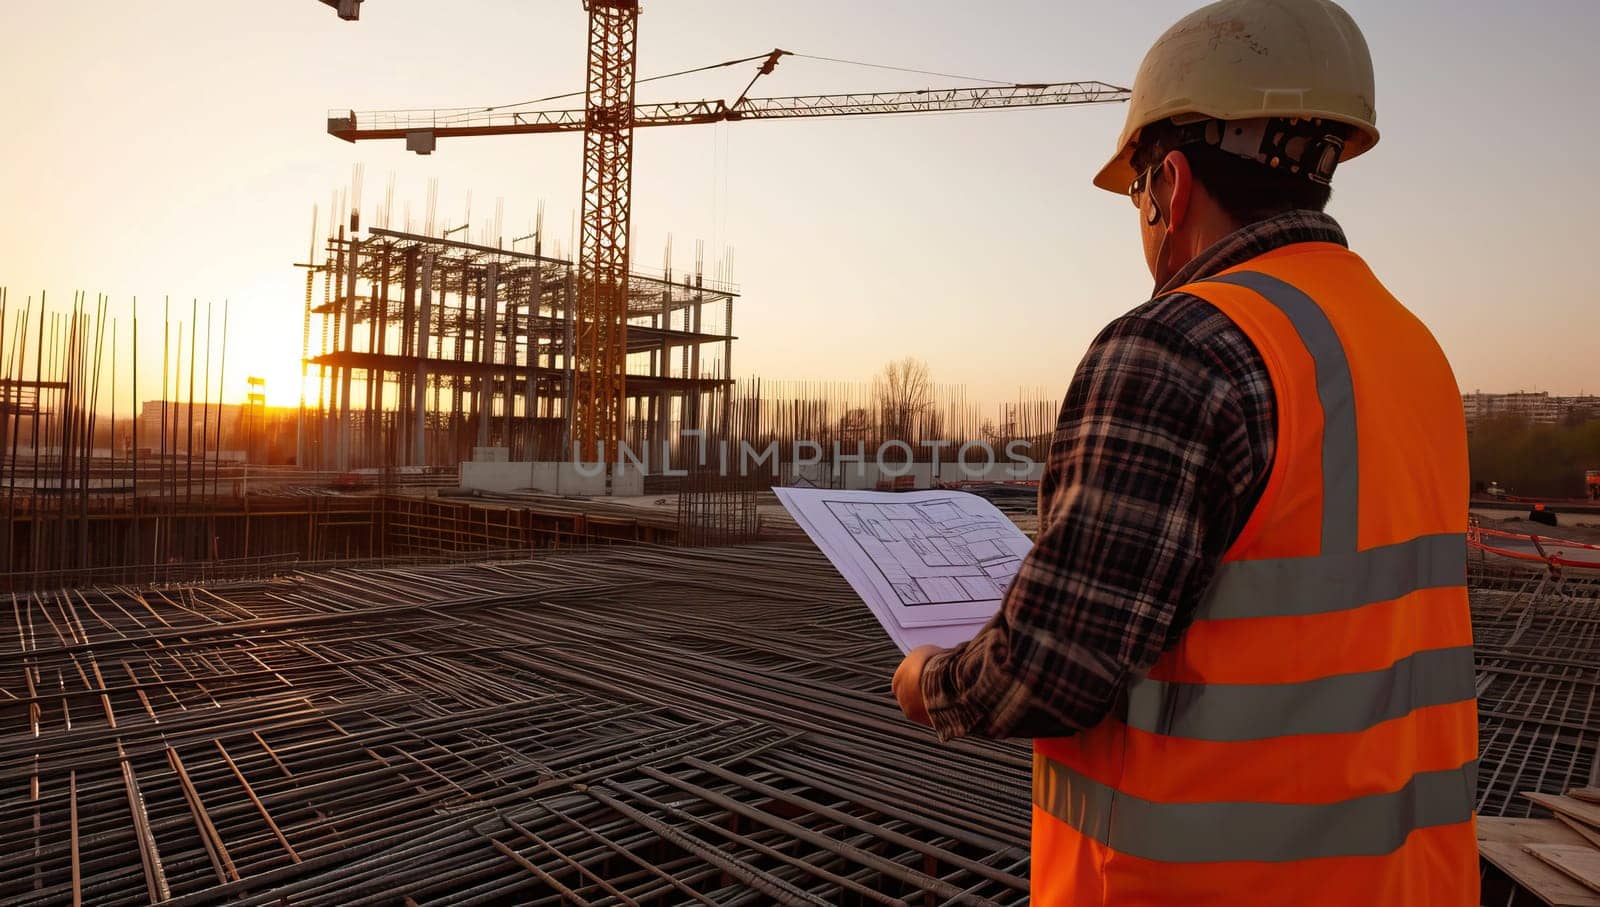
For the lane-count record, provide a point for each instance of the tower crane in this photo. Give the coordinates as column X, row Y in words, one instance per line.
column 607, row 121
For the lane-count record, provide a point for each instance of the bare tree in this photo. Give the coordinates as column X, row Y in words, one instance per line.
column 853, row 425
column 903, row 395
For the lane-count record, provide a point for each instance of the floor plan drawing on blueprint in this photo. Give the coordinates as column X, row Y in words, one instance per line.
column 939, row 560
column 935, row 552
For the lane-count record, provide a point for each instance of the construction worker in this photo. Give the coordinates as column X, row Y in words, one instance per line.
column 1542, row 515
column 1242, row 641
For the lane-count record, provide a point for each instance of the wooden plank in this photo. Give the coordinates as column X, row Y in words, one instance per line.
column 1501, row 842
column 1525, row 831
column 1588, row 813
column 1586, row 794
column 1592, row 835
column 1580, row 862
column 1539, row 879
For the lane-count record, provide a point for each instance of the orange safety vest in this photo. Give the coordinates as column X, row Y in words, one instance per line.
column 1312, row 737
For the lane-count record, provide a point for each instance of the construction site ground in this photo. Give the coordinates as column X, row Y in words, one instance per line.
column 632, row 724
column 622, row 724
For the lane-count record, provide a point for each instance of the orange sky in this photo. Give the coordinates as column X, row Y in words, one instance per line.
column 167, row 147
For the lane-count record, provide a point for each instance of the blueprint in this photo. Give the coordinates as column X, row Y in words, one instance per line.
column 932, row 565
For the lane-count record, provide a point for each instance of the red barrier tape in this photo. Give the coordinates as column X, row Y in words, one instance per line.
column 1540, row 542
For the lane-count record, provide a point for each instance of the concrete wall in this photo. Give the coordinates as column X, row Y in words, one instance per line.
column 566, row 478
column 552, row 477
column 924, row 476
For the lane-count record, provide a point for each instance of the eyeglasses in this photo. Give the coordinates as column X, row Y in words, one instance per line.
column 1139, row 185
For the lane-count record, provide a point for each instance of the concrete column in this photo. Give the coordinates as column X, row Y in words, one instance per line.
column 459, row 344
column 349, row 347
column 328, row 451
column 727, row 368
column 377, row 335
column 487, row 329
column 570, row 291
column 697, row 312
column 419, row 450
column 400, row 444
column 530, row 393
column 663, row 422
column 509, row 394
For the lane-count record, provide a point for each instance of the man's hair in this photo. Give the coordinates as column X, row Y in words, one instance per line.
column 1247, row 191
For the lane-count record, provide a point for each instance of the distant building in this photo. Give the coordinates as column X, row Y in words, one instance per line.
column 1535, row 406
column 253, row 431
column 181, row 418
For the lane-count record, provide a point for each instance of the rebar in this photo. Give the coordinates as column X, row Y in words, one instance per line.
column 599, row 726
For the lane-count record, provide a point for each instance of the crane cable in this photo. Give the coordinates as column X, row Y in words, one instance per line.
column 578, row 94
column 923, row 72
column 749, row 59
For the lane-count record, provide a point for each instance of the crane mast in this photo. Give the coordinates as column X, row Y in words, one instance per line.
column 601, row 349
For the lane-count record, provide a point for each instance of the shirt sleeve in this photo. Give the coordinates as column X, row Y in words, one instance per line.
column 1148, row 480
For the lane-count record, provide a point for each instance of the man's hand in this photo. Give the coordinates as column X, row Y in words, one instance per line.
column 907, row 684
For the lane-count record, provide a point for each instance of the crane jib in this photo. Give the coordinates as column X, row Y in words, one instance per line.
column 355, row 126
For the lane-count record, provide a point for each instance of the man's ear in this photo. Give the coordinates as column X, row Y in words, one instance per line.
column 1180, row 179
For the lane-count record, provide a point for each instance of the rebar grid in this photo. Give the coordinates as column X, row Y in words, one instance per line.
column 608, row 726
column 1537, row 636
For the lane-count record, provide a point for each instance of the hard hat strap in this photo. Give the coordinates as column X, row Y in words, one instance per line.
column 1309, row 148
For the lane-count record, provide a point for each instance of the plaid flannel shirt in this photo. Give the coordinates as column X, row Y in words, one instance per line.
column 1162, row 448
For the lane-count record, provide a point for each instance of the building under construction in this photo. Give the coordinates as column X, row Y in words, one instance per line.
column 431, row 347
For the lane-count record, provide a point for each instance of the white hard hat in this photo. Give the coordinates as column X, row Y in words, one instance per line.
column 1249, row 60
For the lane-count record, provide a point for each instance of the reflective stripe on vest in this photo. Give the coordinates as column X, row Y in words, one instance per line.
column 1298, row 586
column 1341, row 704
column 1266, row 832
column 1337, row 393
column 1339, row 577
